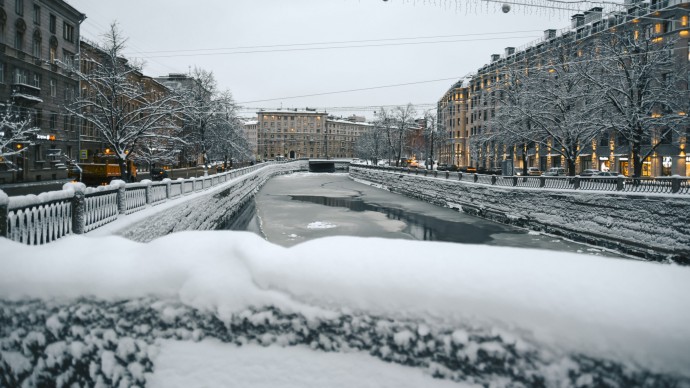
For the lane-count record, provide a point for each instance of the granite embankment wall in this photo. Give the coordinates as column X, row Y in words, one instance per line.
column 650, row 226
column 211, row 211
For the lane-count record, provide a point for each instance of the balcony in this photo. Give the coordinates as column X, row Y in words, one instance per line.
column 26, row 95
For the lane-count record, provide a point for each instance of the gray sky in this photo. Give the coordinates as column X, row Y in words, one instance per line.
column 265, row 51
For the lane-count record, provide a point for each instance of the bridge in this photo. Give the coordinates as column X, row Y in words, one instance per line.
column 328, row 165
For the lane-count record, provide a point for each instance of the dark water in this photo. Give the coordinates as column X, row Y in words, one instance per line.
column 419, row 226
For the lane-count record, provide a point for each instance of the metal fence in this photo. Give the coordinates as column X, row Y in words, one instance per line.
column 657, row 185
column 49, row 216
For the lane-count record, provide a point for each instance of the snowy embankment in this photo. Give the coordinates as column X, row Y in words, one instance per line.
column 476, row 314
column 652, row 226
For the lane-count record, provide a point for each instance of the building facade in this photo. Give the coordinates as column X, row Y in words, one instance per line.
column 452, row 117
column 476, row 98
column 342, row 134
column 38, row 42
column 292, row 134
column 251, row 130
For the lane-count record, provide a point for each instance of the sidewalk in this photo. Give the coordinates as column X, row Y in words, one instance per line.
column 24, row 188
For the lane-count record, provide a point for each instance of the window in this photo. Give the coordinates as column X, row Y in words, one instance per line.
column 36, row 46
column 37, row 15
column 67, row 58
column 68, row 32
column 36, row 80
column 38, row 117
column 53, row 88
column 20, row 76
column 53, row 54
column 19, row 7
column 2, row 73
column 53, row 22
column 2, row 31
column 604, row 141
column 19, row 41
column 53, row 121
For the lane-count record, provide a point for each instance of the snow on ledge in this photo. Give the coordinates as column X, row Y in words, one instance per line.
column 631, row 311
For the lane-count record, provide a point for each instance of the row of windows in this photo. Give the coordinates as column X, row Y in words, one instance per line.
column 23, row 76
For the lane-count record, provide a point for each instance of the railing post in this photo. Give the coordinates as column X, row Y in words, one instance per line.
column 168, row 184
column 459, row 175
column 4, row 209
column 78, row 212
column 514, row 181
column 121, row 199
column 148, row 193
column 493, row 180
column 675, row 184
column 576, row 182
column 542, row 181
column 426, row 172
column 447, row 174
column 476, row 177
column 435, row 174
column 620, row 183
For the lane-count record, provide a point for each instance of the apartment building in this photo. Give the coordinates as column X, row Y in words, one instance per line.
column 285, row 133
column 476, row 98
column 342, row 134
column 38, row 42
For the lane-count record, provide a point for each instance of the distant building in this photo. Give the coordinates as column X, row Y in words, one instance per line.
column 452, row 117
column 251, row 130
column 34, row 37
column 292, row 134
column 343, row 133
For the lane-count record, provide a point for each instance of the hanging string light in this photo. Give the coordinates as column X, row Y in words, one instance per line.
column 544, row 7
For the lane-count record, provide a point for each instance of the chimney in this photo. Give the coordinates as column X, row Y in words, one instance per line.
column 549, row 34
column 495, row 57
column 577, row 20
column 510, row 51
column 593, row 14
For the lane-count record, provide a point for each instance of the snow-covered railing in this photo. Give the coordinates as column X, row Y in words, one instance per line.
column 135, row 198
column 40, row 219
column 35, row 219
column 661, row 185
column 100, row 208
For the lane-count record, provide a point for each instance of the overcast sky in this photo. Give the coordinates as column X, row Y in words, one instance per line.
column 266, row 52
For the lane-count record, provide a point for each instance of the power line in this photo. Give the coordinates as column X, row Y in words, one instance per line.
column 350, row 90
column 337, row 42
column 331, row 47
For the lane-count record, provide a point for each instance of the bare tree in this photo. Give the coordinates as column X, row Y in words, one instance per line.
column 435, row 135
column 16, row 134
column 372, row 143
column 116, row 101
column 552, row 105
column 645, row 88
column 212, row 126
column 401, row 122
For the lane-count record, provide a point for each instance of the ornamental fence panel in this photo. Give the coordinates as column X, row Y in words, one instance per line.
column 39, row 223
column 100, row 208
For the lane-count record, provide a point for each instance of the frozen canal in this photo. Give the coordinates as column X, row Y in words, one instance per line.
column 294, row 208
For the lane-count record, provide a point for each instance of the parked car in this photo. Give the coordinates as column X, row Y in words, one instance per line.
column 158, row 174
column 555, row 171
column 607, row 176
column 533, row 171
column 589, row 172
column 447, row 167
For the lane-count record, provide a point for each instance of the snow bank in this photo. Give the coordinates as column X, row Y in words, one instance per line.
column 186, row 364
column 633, row 312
